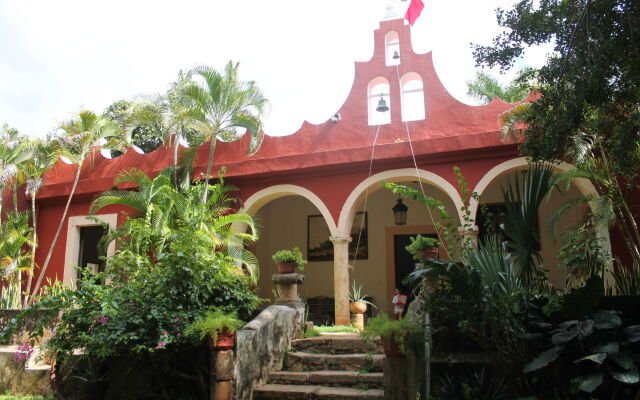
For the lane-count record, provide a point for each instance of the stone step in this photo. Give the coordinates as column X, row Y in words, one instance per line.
column 299, row 361
column 337, row 344
column 371, row 380
column 309, row 392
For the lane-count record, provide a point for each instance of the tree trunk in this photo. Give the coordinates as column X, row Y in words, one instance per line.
column 214, row 140
column 43, row 270
column 15, row 195
column 34, row 246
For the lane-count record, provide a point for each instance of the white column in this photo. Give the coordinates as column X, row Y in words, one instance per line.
column 341, row 278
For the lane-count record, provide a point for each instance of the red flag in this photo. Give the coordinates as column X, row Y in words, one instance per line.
column 414, row 10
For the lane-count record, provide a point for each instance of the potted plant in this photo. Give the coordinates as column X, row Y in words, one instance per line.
column 218, row 327
column 289, row 260
column 394, row 334
column 358, row 304
column 422, row 247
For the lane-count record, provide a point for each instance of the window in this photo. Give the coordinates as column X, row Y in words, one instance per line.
column 412, row 97
column 392, row 48
column 378, row 90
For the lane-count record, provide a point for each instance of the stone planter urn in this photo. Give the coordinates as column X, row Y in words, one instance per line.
column 286, row 268
column 358, row 307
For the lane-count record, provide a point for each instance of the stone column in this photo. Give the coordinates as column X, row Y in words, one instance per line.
column 222, row 374
column 288, row 288
column 469, row 234
column 341, row 278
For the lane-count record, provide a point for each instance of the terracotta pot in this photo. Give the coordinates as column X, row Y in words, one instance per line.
column 286, row 268
column 358, row 307
column 429, row 252
column 392, row 347
column 225, row 341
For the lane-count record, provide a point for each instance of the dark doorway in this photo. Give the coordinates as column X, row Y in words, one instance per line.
column 405, row 264
column 89, row 238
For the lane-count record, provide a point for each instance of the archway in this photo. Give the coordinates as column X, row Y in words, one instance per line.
column 490, row 193
column 291, row 216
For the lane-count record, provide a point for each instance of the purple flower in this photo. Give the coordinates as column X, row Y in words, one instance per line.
column 176, row 319
column 161, row 345
column 24, row 353
column 165, row 332
column 101, row 319
column 178, row 334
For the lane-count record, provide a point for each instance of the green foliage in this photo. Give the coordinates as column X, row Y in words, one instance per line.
column 485, row 88
column 589, row 82
column 165, row 207
column 290, row 256
column 601, row 352
column 627, row 279
column 582, row 256
column 212, row 324
column 15, row 243
column 385, row 327
column 337, row 329
column 133, row 131
column 420, row 243
column 522, row 198
column 11, row 397
column 147, row 306
column 10, row 296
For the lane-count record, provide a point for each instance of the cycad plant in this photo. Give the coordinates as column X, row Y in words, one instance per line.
column 220, row 104
column 522, row 198
column 77, row 139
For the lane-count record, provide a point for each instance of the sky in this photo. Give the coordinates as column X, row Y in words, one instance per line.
column 60, row 57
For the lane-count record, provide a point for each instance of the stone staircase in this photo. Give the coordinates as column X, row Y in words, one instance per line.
column 337, row 366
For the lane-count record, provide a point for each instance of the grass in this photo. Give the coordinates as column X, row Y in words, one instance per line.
column 11, row 397
column 337, row 329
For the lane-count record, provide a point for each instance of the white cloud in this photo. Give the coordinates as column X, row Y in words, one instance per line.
column 58, row 57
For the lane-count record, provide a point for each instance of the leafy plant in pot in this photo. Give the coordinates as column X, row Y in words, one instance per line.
column 289, row 260
column 422, row 247
column 394, row 334
column 358, row 303
column 218, row 327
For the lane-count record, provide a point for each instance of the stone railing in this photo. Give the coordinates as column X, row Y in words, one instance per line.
column 263, row 342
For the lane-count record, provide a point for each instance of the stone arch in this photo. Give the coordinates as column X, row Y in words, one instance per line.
column 584, row 185
column 397, row 175
column 262, row 197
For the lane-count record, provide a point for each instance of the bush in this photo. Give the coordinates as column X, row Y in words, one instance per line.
column 212, row 324
column 147, row 307
column 290, row 256
column 420, row 243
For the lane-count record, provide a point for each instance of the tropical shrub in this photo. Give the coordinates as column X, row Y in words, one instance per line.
column 593, row 357
column 212, row 323
column 290, row 256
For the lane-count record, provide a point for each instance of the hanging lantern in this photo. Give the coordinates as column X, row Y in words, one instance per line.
column 400, row 213
column 382, row 105
column 396, row 55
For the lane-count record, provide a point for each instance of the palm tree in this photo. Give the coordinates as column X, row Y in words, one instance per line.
column 485, row 88
column 79, row 138
column 163, row 209
column 45, row 155
column 219, row 104
column 13, row 151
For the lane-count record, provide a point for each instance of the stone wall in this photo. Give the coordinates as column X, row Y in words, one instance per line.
column 18, row 380
column 28, row 324
column 261, row 346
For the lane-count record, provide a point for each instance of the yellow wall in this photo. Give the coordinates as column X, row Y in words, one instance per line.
column 284, row 225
